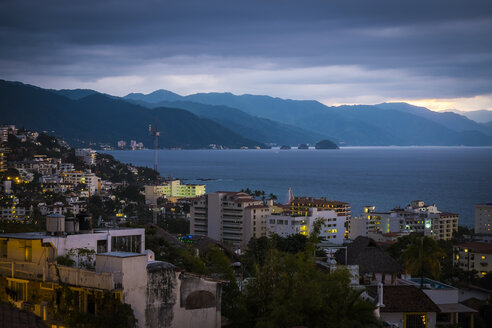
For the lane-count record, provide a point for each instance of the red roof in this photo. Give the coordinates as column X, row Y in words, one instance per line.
column 257, row 206
column 446, row 214
column 477, row 247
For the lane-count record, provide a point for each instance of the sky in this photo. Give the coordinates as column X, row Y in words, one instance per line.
column 436, row 54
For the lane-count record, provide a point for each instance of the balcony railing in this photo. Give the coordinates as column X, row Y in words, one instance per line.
column 47, row 272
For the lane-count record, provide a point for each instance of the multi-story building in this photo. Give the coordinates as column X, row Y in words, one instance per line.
column 109, row 261
column 416, row 217
column 74, row 178
column 87, row 155
column 65, row 167
column 483, row 218
column 229, row 217
column 301, row 206
column 3, row 160
column 473, row 256
column 286, row 224
column 173, row 188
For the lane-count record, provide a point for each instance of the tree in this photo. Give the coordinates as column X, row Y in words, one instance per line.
column 287, row 290
column 423, row 257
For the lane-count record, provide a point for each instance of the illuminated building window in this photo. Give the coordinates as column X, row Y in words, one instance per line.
column 415, row 320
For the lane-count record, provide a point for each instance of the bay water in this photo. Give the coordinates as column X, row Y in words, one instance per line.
column 454, row 178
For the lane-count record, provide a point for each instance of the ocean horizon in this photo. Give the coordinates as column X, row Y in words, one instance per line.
column 454, row 178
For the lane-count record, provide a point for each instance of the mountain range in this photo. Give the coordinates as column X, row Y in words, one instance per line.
column 97, row 118
column 82, row 116
column 362, row 125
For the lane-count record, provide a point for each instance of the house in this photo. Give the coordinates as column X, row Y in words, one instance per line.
column 405, row 306
column 375, row 264
column 35, row 274
column 446, row 297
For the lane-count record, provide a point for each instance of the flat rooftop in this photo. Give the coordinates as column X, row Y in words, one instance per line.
column 43, row 234
column 122, row 254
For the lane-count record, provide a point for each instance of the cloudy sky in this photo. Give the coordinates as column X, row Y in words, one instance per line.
column 433, row 53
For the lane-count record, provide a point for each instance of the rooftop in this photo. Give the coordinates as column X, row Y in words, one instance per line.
column 121, row 254
column 404, row 298
column 477, row 247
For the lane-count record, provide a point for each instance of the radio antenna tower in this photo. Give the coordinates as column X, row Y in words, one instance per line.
column 154, row 133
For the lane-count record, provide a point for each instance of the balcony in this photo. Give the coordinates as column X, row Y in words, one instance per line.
column 71, row 276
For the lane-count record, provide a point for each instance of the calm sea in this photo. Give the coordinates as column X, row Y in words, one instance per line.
column 454, row 178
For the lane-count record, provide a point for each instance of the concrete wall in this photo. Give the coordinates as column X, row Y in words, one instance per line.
column 199, row 302
column 133, row 280
column 178, row 299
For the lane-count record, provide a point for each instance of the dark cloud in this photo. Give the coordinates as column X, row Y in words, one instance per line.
column 447, row 42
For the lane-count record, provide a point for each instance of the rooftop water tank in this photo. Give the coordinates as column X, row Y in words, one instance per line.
column 55, row 223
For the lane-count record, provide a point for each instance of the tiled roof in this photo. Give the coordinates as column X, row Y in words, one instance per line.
column 370, row 258
column 477, row 247
column 318, row 201
column 257, row 206
column 404, row 298
column 11, row 317
column 445, row 214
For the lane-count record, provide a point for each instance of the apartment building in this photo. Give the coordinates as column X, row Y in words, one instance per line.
column 87, row 155
column 3, row 159
column 173, row 189
column 287, row 224
column 301, row 206
column 473, row 256
column 415, row 217
column 483, row 218
column 229, row 217
column 74, row 178
column 114, row 262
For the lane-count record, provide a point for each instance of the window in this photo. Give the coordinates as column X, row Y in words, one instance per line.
column 416, row 320
column 17, row 290
column 129, row 244
column 102, row 246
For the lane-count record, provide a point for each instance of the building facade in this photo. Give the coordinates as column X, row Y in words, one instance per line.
column 230, row 217
column 287, row 224
column 34, row 278
column 473, row 256
column 416, row 217
column 483, row 218
column 173, row 188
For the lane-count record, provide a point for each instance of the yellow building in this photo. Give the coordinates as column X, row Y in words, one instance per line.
column 173, row 188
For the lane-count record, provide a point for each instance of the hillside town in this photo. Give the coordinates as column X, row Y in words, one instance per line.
column 88, row 241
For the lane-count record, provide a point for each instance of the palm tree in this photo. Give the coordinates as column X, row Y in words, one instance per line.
column 423, row 255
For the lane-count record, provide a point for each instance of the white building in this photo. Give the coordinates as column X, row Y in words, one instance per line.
column 92, row 182
column 231, row 217
column 416, row 217
column 483, row 218
column 160, row 294
column 88, row 155
column 333, row 229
